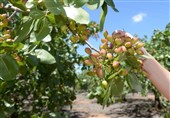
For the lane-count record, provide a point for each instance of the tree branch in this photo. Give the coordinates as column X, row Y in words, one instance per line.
column 92, row 47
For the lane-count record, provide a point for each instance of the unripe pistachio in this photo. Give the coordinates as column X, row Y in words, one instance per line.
column 131, row 51
column 124, row 72
column 134, row 40
column 118, row 41
column 83, row 38
column 104, row 83
column 105, row 33
column 116, row 64
column 7, row 36
column 74, row 39
column 128, row 44
column 3, row 16
column 88, row 50
column 64, row 28
column 109, row 38
column 86, row 32
column 139, row 52
column 140, row 61
column 139, row 45
column 81, row 27
column 88, row 62
column 128, row 39
column 72, row 25
column 93, row 58
column 5, row 23
column 9, row 40
column 109, row 56
column 90, row 73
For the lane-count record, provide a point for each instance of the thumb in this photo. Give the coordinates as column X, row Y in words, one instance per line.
column 145, row 52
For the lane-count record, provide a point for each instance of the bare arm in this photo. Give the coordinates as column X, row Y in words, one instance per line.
column 157, row 74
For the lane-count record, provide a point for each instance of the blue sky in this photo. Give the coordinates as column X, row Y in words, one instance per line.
column 139, row 17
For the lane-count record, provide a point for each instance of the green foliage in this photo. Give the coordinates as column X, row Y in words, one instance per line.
column 103, row 15
column 55, row 7
column 37, row 58
column 111, row 4
column 158, row 46
column 9, row 66
column 84, row 82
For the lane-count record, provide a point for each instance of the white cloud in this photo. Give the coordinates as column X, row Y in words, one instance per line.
column 138, row 17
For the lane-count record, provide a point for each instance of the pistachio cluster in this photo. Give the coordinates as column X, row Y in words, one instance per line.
column 3, row 21
column 80, row 32
column 118, row 55
column 5, row 33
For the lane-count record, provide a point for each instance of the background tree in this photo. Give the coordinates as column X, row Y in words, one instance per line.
column 158, row 46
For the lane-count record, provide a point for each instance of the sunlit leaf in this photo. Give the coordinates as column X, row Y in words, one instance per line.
column 77, row 14
column 47, row 38
column 29, row 4
column 55, row 7
column 44, row 56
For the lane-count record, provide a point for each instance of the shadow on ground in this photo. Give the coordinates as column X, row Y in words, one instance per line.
column 136, row 106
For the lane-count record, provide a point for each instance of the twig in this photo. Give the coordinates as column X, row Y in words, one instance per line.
column 13, row 8
column 9, row 18
column 92, row 47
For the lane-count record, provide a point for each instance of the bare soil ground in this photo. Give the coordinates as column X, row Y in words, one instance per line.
column 136, row 106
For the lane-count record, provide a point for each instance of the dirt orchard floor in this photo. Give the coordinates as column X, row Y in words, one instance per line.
column 136, row 106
